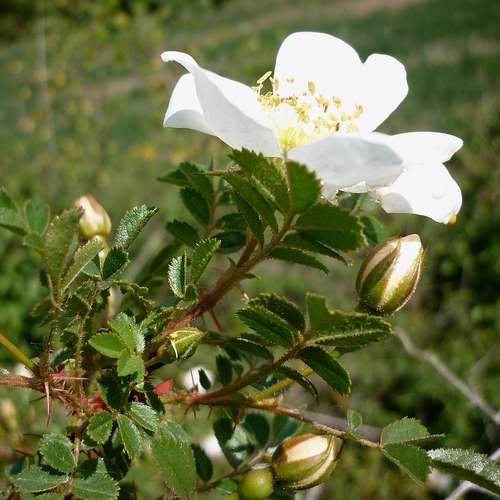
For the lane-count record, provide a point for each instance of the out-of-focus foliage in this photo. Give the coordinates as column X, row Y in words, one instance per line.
column 82, row 96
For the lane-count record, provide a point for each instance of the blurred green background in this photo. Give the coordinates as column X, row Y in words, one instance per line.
column 82, row 98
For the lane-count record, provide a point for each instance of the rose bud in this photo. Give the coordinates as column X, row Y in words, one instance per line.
column 181, row 344
column 389, row 275
column 302, row 462
column 256, row 484
column 95, row 221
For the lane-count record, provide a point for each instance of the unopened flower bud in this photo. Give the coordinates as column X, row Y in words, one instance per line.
column 302, row 462
column 389, row 275
column 256, row 484
column 95, row 221
column 181, row 344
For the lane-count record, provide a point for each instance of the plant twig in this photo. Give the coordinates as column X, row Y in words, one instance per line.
column 16, row 352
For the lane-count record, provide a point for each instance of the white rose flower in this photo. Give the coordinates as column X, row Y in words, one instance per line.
column 321, row 109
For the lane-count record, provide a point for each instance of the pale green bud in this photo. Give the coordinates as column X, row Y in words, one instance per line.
column 181, row 344
column 390, row 274
column 302, row 462
column 256, row 484
column 94, row 221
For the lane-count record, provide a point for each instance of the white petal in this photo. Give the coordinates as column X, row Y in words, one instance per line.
column 381, row 86
column 230, row 109
column 424, row 190
column 342, row 161
column 418, row 147
column 184, row 109
column 323, row 59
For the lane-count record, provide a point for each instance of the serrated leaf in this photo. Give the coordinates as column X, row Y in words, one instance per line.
column 253, row 197
column 258, row 427
column 406, row 430
column 108, row 343
column 224, row 369
column 317, row 311
column 283, row 427
column 196, row 204
column 12, row 220
column 37, row 217
column 59, row 241
column 233, row 441
column 144, row 415
column 35, row 479
column 251, row 218
column 243, row 344
column 232, row 222
column 183, row 232
column 374, row 230
column 300, row 241
column 411, row 460
column 468, row 466
column 114, row 263
column 6, row 201
column 328, row 368
column 129, row 363
column 130, row 436
column 128, row 331
column 50, row 496
column 132, row 224
column 290, row 254
column 354, row 420
column 305, row 187
column 82, row 257
column 282, row 307
column 174, row 455
column 113, row 389
column 267, row 324
column 204, row 466
column 177, row 275
column 266, row 172
column 57, row 451
column 331, row 226
column 231, row 241
column 302, row 380
column 194, row 175
column 98, row 486
column 203, row 253
column 100, row 426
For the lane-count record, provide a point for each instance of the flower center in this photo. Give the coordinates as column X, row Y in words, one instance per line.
column 307, row 116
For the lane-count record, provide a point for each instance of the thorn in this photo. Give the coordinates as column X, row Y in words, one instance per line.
column 49, row 402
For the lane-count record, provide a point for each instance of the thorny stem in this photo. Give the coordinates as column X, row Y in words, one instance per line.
column 279, row 386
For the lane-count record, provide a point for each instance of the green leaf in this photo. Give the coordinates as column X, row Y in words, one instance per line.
column 227, row 487
column 258, row 427
column 130, row 436
column 115, row 263
column 37, row 217
column 266, row 172
column 468, row 466
column 231, row 241
column 183, row 232
column 300, row 241
column 108, row 343
column 204, row 466
column 282, row 307
column 57, row 451
column 252, row 196
column 144, row 415
column 128, row 331
column 82, row 257
column 332, row 227
column 305, row 187
column 354, row 420
column 100, row 426
column 60, row 240
column 113, row 389
column 177, row 275
column 196, row 205
column 302, row 380
column 98, row 486
column 10, row 217
column 289, row 254
column 243, row 344
column 328, row 368
column 203, row 253
column 251, row 218
column 232, row 222
column 131, row 224
column 224, row 369
column 267, row 324
column 129, row 364
column 374, row 230
column 317, row 311
column 407, row 430
column 6, row 201
column 50, row 496
column 283, row 427
column 34, row 479
column 174, row 455
column 233, row 441
column 411, row 460
column 202, row 183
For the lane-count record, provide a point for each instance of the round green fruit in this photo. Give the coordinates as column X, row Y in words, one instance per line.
column 256, row 484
